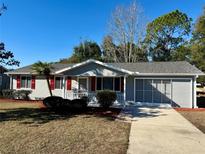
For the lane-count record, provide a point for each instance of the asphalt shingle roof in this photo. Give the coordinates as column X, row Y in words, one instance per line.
column 160, row 67
column 179, row 67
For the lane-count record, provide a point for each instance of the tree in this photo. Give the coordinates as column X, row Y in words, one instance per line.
column 166, row 34
column 44, row 69
column 182, row 53
column 198, row 44
column 125, row 35
column 84, row 51
column 6, row 57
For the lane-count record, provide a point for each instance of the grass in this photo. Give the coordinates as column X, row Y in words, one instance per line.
column 195, row 117
column 26, row 128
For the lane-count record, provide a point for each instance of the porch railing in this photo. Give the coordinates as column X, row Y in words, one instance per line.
column 92, row 96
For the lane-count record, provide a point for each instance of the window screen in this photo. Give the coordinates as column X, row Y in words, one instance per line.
column 58, row 83
column 117, row 84
column 108, row 83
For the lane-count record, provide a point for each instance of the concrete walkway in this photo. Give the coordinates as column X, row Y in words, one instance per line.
column 162, row 131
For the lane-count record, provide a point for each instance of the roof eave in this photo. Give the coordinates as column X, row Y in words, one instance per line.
column 169, row 74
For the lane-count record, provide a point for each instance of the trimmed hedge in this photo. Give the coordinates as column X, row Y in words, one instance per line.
column 22, row 94
column 7, row 93
column 16, row 94
column 59, row 102
column 53, row 101
column 106, row 98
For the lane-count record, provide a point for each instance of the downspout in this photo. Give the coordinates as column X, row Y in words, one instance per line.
column 194, row 104
column 63, row 89
column 11, row 82
column 124, row 90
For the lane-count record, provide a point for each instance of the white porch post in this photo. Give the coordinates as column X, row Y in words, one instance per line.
column 194, row 93
column 124, row 88
column 11, row 82
column 64, row 85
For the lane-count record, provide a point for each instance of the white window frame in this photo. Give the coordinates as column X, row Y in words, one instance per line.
column 26, row 88
column 61, row 82
column 113, row 89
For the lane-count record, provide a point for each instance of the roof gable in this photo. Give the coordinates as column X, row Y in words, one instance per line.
column 96, row 62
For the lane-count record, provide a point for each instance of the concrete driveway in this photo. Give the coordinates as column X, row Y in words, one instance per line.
column 163, row 131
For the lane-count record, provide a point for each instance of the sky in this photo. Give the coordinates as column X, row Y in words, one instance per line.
column 47, row 30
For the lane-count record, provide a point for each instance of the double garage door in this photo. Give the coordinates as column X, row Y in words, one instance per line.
column 177, row 92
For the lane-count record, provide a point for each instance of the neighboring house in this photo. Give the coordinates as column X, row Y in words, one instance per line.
column 171, row 83
column 4, row 79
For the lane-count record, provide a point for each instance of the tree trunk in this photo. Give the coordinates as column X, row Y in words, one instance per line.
column 49, row 86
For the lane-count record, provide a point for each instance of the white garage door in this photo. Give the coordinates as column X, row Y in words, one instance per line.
column 175, row 91
column 182, row 92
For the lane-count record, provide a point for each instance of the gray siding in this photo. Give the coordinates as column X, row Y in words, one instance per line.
column 41, row 90
column 93, row 69
column 130, row 88
column 5, row 81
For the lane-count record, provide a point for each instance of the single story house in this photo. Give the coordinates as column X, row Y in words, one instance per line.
column 4, row 79
column 171, row 83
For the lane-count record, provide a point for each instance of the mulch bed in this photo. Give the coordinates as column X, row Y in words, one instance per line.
column 38, row 102
column 189, row 109
column 99, row 111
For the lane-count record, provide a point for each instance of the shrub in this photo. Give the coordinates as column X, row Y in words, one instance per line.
column 8, row 93
column 106, row 98
column 85, row 99
column 59, row 102
column 66, row 103
column 22, row 94
column 76, row 103
column 201, row 102
column 53, row 102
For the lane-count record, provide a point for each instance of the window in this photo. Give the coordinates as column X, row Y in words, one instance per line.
column 99, row 83
column 83, row 84
column 25, row 82
column 108, row 83
column 58, row 83
column 117, row 84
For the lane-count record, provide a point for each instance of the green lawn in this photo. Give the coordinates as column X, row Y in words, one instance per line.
column 25, row 128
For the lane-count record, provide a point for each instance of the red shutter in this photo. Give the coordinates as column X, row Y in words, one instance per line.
column 18, row 83
column 52, row 82
column 93, row 83
column 122, row 84
column 69, row 83
column 33, row 82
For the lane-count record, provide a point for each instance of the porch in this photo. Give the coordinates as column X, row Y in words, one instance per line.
column 75, row 87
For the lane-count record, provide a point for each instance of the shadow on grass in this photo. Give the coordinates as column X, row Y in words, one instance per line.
column 41, row 116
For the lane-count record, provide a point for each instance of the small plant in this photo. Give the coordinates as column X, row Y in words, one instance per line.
column 22, row 94
column 106, row 98
column 8, row 93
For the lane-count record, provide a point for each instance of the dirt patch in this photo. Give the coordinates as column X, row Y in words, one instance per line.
column 195, row 117
column 27, row 128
